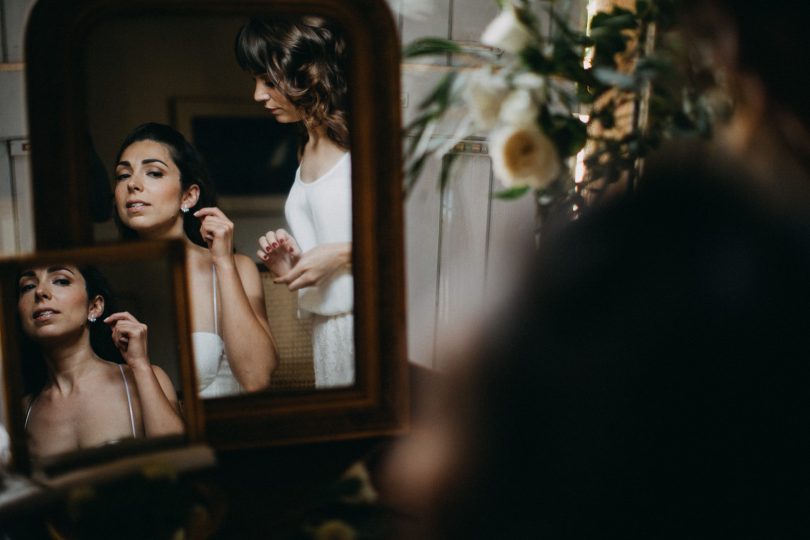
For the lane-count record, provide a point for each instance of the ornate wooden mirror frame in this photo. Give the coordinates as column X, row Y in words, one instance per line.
column 377, row 403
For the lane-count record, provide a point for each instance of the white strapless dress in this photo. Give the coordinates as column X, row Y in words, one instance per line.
column 214, row 375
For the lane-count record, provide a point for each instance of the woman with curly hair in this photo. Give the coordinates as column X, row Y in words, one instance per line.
column 299, row 70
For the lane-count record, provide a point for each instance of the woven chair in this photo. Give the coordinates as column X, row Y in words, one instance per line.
column 293, row 337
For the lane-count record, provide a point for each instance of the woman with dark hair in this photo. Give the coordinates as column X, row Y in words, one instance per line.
column 163, row 191
column 299, row 70
column 86, row 368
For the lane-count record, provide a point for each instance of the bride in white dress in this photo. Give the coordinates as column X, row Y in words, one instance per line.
column 162, row 191
column 298, row 66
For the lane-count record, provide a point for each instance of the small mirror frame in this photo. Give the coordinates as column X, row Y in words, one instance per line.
column 173, row 252
column 377, row 404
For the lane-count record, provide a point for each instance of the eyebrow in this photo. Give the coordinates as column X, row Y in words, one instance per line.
column 144, row 162
column 53, row 269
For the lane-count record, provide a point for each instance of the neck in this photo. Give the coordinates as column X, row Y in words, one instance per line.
column 68, row 361
column 319, row 140
column 164, row 232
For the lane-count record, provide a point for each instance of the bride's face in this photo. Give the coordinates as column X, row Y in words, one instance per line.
column 53, row 302
column 148, row 192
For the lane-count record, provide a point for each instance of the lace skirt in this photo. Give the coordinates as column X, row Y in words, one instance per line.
column 333, row 350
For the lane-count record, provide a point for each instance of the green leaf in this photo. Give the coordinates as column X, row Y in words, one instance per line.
column 617, row 19
column 447, row 164
column 568, row 133
column 442, row 94
column 430, row 46
column 536, row 61
column 611, row 77
column 511, row 193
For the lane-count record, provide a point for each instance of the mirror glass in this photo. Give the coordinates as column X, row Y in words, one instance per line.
column 97, row 345
column 253, row 130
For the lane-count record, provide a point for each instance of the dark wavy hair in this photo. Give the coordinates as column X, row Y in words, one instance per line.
column 192, row 171
column 34, row 369
column 305, row 58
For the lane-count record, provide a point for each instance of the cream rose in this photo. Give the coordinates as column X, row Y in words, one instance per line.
column 524, row 156
column 484, row 94
column 519, row 108
column 507, row 32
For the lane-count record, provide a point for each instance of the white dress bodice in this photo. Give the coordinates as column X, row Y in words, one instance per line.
column 320, row 212
column 214, row 375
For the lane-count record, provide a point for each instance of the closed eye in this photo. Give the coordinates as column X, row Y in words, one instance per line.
column 25, row 287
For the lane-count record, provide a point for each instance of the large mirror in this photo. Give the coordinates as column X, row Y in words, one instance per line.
column 300, row 335
column 96, row 356
column 247, row 141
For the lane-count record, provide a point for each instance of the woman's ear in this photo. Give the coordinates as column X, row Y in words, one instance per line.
column 96, row 307
column 191, row 196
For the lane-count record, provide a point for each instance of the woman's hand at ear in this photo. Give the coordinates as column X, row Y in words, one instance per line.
column 217, row 231
column 130, row 337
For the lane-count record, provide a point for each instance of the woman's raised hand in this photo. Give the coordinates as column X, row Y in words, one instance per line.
column 278, row 251
column 129, row 336
column 217, row 231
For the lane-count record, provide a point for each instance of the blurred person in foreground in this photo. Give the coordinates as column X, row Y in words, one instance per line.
column 649, row 380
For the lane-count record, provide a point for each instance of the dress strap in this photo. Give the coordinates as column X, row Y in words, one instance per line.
column 214, row 281
column 129, row 401
column 28, row 413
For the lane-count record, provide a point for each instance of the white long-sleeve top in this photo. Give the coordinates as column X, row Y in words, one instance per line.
column 320, row 212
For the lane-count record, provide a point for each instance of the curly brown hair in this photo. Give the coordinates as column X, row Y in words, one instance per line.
column 305, row 59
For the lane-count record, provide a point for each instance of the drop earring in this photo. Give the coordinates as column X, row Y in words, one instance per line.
column 91, row 318
column 184, row 209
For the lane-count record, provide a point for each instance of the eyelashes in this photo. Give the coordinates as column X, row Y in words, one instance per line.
column 29, row 286
column 153, row 174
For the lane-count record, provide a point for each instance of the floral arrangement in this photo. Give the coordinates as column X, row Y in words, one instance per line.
column 566, row 112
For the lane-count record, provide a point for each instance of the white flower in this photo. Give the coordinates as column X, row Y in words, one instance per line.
column 524, row 156
column 507, row 32
column 530, row 81
column 519, row 108
column 484, row 94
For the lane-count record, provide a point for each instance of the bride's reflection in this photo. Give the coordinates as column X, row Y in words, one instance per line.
column 299, row 71
column 162, row 191
column 88, row 377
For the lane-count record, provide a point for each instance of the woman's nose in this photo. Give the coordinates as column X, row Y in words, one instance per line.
column 260, row 92
column 134, row 183
column 42, row 292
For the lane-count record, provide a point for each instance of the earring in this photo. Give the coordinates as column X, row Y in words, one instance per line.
column 91, row 318
column 184, row 209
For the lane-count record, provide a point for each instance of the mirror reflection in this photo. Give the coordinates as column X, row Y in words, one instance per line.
column 254, row 110
column 98, row 354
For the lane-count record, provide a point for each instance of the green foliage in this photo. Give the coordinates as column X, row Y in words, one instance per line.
column 602, row 92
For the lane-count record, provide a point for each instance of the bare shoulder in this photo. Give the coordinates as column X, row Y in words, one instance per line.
column 159, row 372
column 248, row 271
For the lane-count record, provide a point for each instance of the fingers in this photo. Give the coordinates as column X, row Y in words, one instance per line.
column 120, row 316
column 211, row 211
column 288, row 242
column 280, row 239
column 125, row 327
column 296, row 278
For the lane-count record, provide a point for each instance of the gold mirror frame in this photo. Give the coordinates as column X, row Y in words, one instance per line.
column 377, row 404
